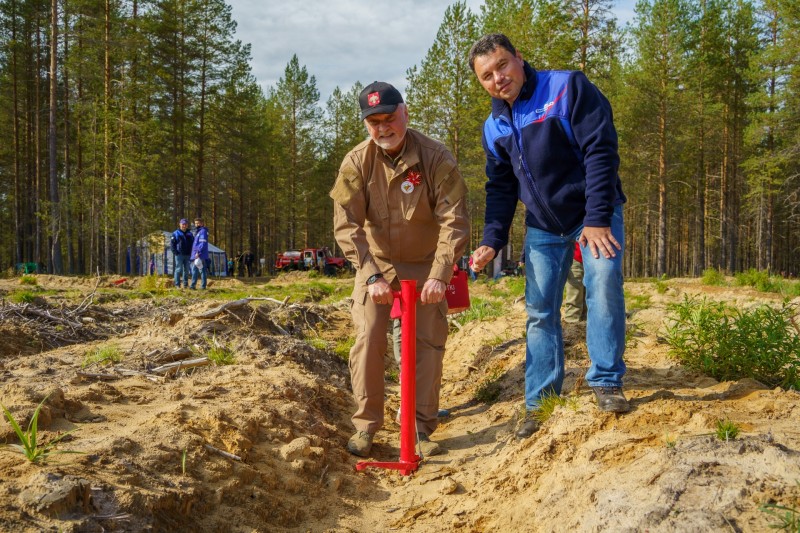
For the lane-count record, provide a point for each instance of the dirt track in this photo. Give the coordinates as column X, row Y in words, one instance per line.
column 283, row 409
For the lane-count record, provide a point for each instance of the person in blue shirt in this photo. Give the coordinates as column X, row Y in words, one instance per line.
column 550, row 143
column 181, row 243
column 199, row 251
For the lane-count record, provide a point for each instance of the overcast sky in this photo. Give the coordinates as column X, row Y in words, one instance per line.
column 344, row 41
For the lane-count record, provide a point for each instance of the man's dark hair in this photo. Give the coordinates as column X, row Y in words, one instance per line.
column 198, row 219
column 488, row 44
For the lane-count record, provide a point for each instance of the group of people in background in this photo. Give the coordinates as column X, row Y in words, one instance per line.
column 400, row 213
column 190, row 251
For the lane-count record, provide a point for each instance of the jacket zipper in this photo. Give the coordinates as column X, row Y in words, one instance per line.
column 523, row 165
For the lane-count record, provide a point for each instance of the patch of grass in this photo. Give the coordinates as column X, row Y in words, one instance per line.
column 28, row 279
column 636, row 302
column 343, row 346
column 670, row 440
column 106, row 354
column 661, row 285
column 482, row 309
column 391, row 375
column 489, row 389
column 317, row 342
column 30, row 446
column 497, row 340
column 548, row 404
column 219, row 354
column 728, row 343
column 515, row 286
column 632, row 332
column 23, row 297
column 787, row 518
column 762, row 281
column 712, row 276
column 726, row 430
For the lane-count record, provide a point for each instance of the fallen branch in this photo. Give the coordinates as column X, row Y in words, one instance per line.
column 236, row 304
column 101, row 377
column 180, row 365
column 176, row 354
column 223, row 453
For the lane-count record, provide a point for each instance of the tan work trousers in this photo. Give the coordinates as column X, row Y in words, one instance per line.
column 367, row 368
column 575, row 296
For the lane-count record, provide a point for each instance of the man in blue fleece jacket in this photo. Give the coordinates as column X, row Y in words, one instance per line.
column 550, row 143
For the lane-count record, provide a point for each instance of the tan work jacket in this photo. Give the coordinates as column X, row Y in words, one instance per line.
column 385, row 223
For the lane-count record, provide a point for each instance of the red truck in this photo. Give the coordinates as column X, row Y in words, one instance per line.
column 310, row 258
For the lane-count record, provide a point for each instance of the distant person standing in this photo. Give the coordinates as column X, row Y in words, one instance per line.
column 200, row 251
column 181, row 242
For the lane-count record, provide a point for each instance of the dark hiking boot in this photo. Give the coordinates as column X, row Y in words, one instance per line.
column 611, row 399
column 426, row 446
column 360, row 444
column 529, row 426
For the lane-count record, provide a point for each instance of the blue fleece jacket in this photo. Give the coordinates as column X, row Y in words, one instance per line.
column 200, row 246
column 181, row 242
column 555, row 150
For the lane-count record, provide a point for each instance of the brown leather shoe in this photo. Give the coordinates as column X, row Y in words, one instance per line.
column 360, row 444
column 611, row 399
column 529, row 426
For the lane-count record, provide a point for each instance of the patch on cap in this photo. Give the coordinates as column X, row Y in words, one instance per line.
column 374, row 99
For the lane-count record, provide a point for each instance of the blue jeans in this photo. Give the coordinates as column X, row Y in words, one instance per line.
column 182, row 267
column 202, row 273
column 548, row 258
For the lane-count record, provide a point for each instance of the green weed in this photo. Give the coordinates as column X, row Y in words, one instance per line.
column 728, row 343
column 636, row 302
column 28, row 279
column 23, row 297
column 481, row 309
column 788, row 518
column 30, row 447
column 726, row 430
column 670, row 440
column 183, row 462
column 220, row 355
column 317, row 342
column 712, row 276
column 661, row 285
column 548, row 404
column 489, row 389
column 343, row 346
column 106, row 354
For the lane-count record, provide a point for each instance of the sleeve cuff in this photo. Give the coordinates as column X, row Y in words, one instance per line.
column 441, row 272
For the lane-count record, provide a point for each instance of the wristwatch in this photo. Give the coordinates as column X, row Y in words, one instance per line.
column 373, row 278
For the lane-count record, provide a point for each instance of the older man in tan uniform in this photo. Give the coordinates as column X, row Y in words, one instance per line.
column 399, row 213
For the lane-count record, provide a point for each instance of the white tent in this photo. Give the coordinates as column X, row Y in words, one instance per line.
column 153, row 254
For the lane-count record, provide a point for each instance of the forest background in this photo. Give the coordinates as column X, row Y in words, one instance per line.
column 118, row 117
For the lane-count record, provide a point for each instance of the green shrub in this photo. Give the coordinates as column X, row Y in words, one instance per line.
column 726, row 430
column 712, row 276
column 759, row 279
column 28, row 279
column 729, row 343
column 105, row 354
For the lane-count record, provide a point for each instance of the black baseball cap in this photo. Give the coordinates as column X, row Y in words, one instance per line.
column 378, row 97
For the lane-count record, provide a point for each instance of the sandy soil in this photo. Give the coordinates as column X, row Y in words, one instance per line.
column 151, row 446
